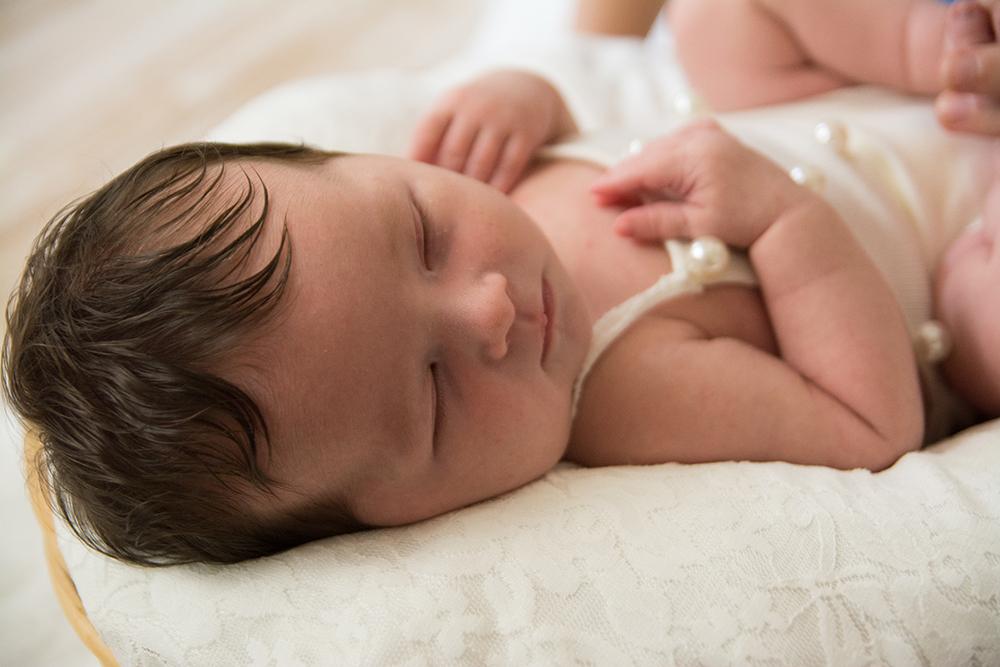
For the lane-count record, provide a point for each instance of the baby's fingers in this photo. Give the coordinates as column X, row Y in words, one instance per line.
column 973, row 70
column 622, row 182
column 635, row 177
column 653, row 222
column 516, row 154
column 967, row 112
column 485, row 152
column 427, row 136
column 457, row 143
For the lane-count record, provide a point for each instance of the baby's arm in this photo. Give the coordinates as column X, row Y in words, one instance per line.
column 845, row 391
column 741, row 53
column 491, row 127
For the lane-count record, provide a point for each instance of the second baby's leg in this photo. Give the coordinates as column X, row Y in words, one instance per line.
column 742, row 53
column 738, row 55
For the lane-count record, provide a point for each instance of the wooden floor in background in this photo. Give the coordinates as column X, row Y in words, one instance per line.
column 89, row 87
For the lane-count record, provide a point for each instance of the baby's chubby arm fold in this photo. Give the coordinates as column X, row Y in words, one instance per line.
column 490, row 128
column 845, row 391
column 670, row 393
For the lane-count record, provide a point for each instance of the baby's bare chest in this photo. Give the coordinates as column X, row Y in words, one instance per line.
column 608, row 269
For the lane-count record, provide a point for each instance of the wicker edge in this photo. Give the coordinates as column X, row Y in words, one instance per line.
column 62, row 583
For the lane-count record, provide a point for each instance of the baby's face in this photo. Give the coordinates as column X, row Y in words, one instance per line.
column 407, row 367
column 967, row 300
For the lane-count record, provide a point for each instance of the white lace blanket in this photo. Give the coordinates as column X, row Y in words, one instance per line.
column 729, row 563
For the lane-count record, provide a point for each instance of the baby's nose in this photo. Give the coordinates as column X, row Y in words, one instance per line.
column 490, row 314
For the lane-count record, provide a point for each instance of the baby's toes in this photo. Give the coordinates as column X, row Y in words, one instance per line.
column 968, row 23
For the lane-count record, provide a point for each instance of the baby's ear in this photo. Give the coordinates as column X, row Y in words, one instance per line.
column 968, row 24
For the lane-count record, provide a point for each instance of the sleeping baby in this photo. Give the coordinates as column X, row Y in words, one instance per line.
column 229, row 350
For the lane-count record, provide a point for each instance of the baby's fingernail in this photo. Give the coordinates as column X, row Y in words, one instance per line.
column 621, row 227
column 956, row 106
column 963, row 70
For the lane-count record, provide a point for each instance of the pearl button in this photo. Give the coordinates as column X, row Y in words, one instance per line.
column 932, row 341
column 833, row 135
column 683, row 104
column 708, row 257
column 808, row 177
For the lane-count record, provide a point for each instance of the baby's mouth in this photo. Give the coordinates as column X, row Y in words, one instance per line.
column 547, row 313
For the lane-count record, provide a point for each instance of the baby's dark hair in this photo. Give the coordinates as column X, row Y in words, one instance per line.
column 114, row 338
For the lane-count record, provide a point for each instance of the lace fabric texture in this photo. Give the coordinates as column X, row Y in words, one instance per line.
column 728, row 563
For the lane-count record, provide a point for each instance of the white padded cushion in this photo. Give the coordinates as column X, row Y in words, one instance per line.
column 670, row 564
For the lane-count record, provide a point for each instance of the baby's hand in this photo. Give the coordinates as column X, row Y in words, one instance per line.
column 698, row 181
column 971, row 69
column 490, row 128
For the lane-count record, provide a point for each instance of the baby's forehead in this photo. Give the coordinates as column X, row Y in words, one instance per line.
column 242, row 202
column 349, row 258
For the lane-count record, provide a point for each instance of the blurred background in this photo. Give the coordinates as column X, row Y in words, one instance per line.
column 90, row 86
